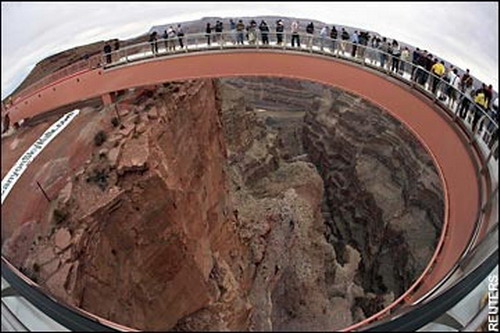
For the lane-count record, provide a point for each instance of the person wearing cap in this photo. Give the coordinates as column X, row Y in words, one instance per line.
column 280, row 28
column 264, row 32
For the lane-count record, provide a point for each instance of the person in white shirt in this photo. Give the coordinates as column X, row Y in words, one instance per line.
column 405, row 57
column 323, row 34
column 295, row 33
column 171, row 38
column 453, row 86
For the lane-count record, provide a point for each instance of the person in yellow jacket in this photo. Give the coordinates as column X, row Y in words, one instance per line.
column 438, row 69
column 480, row 99
column 481, row 106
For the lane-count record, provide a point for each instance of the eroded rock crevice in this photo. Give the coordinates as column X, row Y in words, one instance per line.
column 239, row 204
column 382, row 193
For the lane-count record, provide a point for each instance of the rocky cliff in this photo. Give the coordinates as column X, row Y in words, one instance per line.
column 140, row 228
column 382, row 193
column 240, row 204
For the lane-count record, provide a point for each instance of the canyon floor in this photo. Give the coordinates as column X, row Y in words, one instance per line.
column 225, row 204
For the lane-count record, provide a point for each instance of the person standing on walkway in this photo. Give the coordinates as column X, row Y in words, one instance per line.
column 354, row 41
column 396, row 54
column 415, row 61
column 165, row 39
column 480, row 107
column 171, row 38
column 180, row 36
column 232, row 27
column 373, row 53
column 438, row 71
column 444, row 90
column 405, row 63
column 216, row 30
column 280, row 28
column 310, row 34
column 107, row 52
column 463, row 107
column 323, row 34
column 252, row 32
column 208, row 33
column 240, row 29
column 264, row 32
column 333, row 36
column 221, row 33
column 420, row 66
column 295, row 33
column 219, row 27
column 453, row 88
column 427, row 63
column 153, row 40
column 466, row 80
column 488, row 94
column 363, row 38
column 344, row 38
column 384, row 50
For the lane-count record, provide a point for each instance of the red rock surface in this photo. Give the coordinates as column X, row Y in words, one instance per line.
column 193, row 214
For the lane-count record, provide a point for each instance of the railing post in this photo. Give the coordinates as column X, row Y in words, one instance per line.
column 490, row 198
column 490, row 155
column 474, row 131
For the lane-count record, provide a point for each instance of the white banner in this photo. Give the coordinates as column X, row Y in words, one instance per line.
column 22, row 163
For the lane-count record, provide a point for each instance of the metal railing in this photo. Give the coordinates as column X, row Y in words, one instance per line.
column 69, row 70
column 478, row 123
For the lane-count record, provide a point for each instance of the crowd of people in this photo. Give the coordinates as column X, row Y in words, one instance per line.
column 424, row 69
column 170, row 37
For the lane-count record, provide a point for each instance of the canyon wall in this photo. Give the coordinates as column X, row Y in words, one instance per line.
column 239, row 204
column 383, row 195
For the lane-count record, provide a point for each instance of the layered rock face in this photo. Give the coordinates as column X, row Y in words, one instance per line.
column 240, row 204
column 140, row 228
column 383, row 195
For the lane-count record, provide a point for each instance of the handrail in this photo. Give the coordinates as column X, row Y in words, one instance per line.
column 426, row 313
column 70, row 317
column 222, row 40
column 453, row 294
column 67, row 70
column 338, row 49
